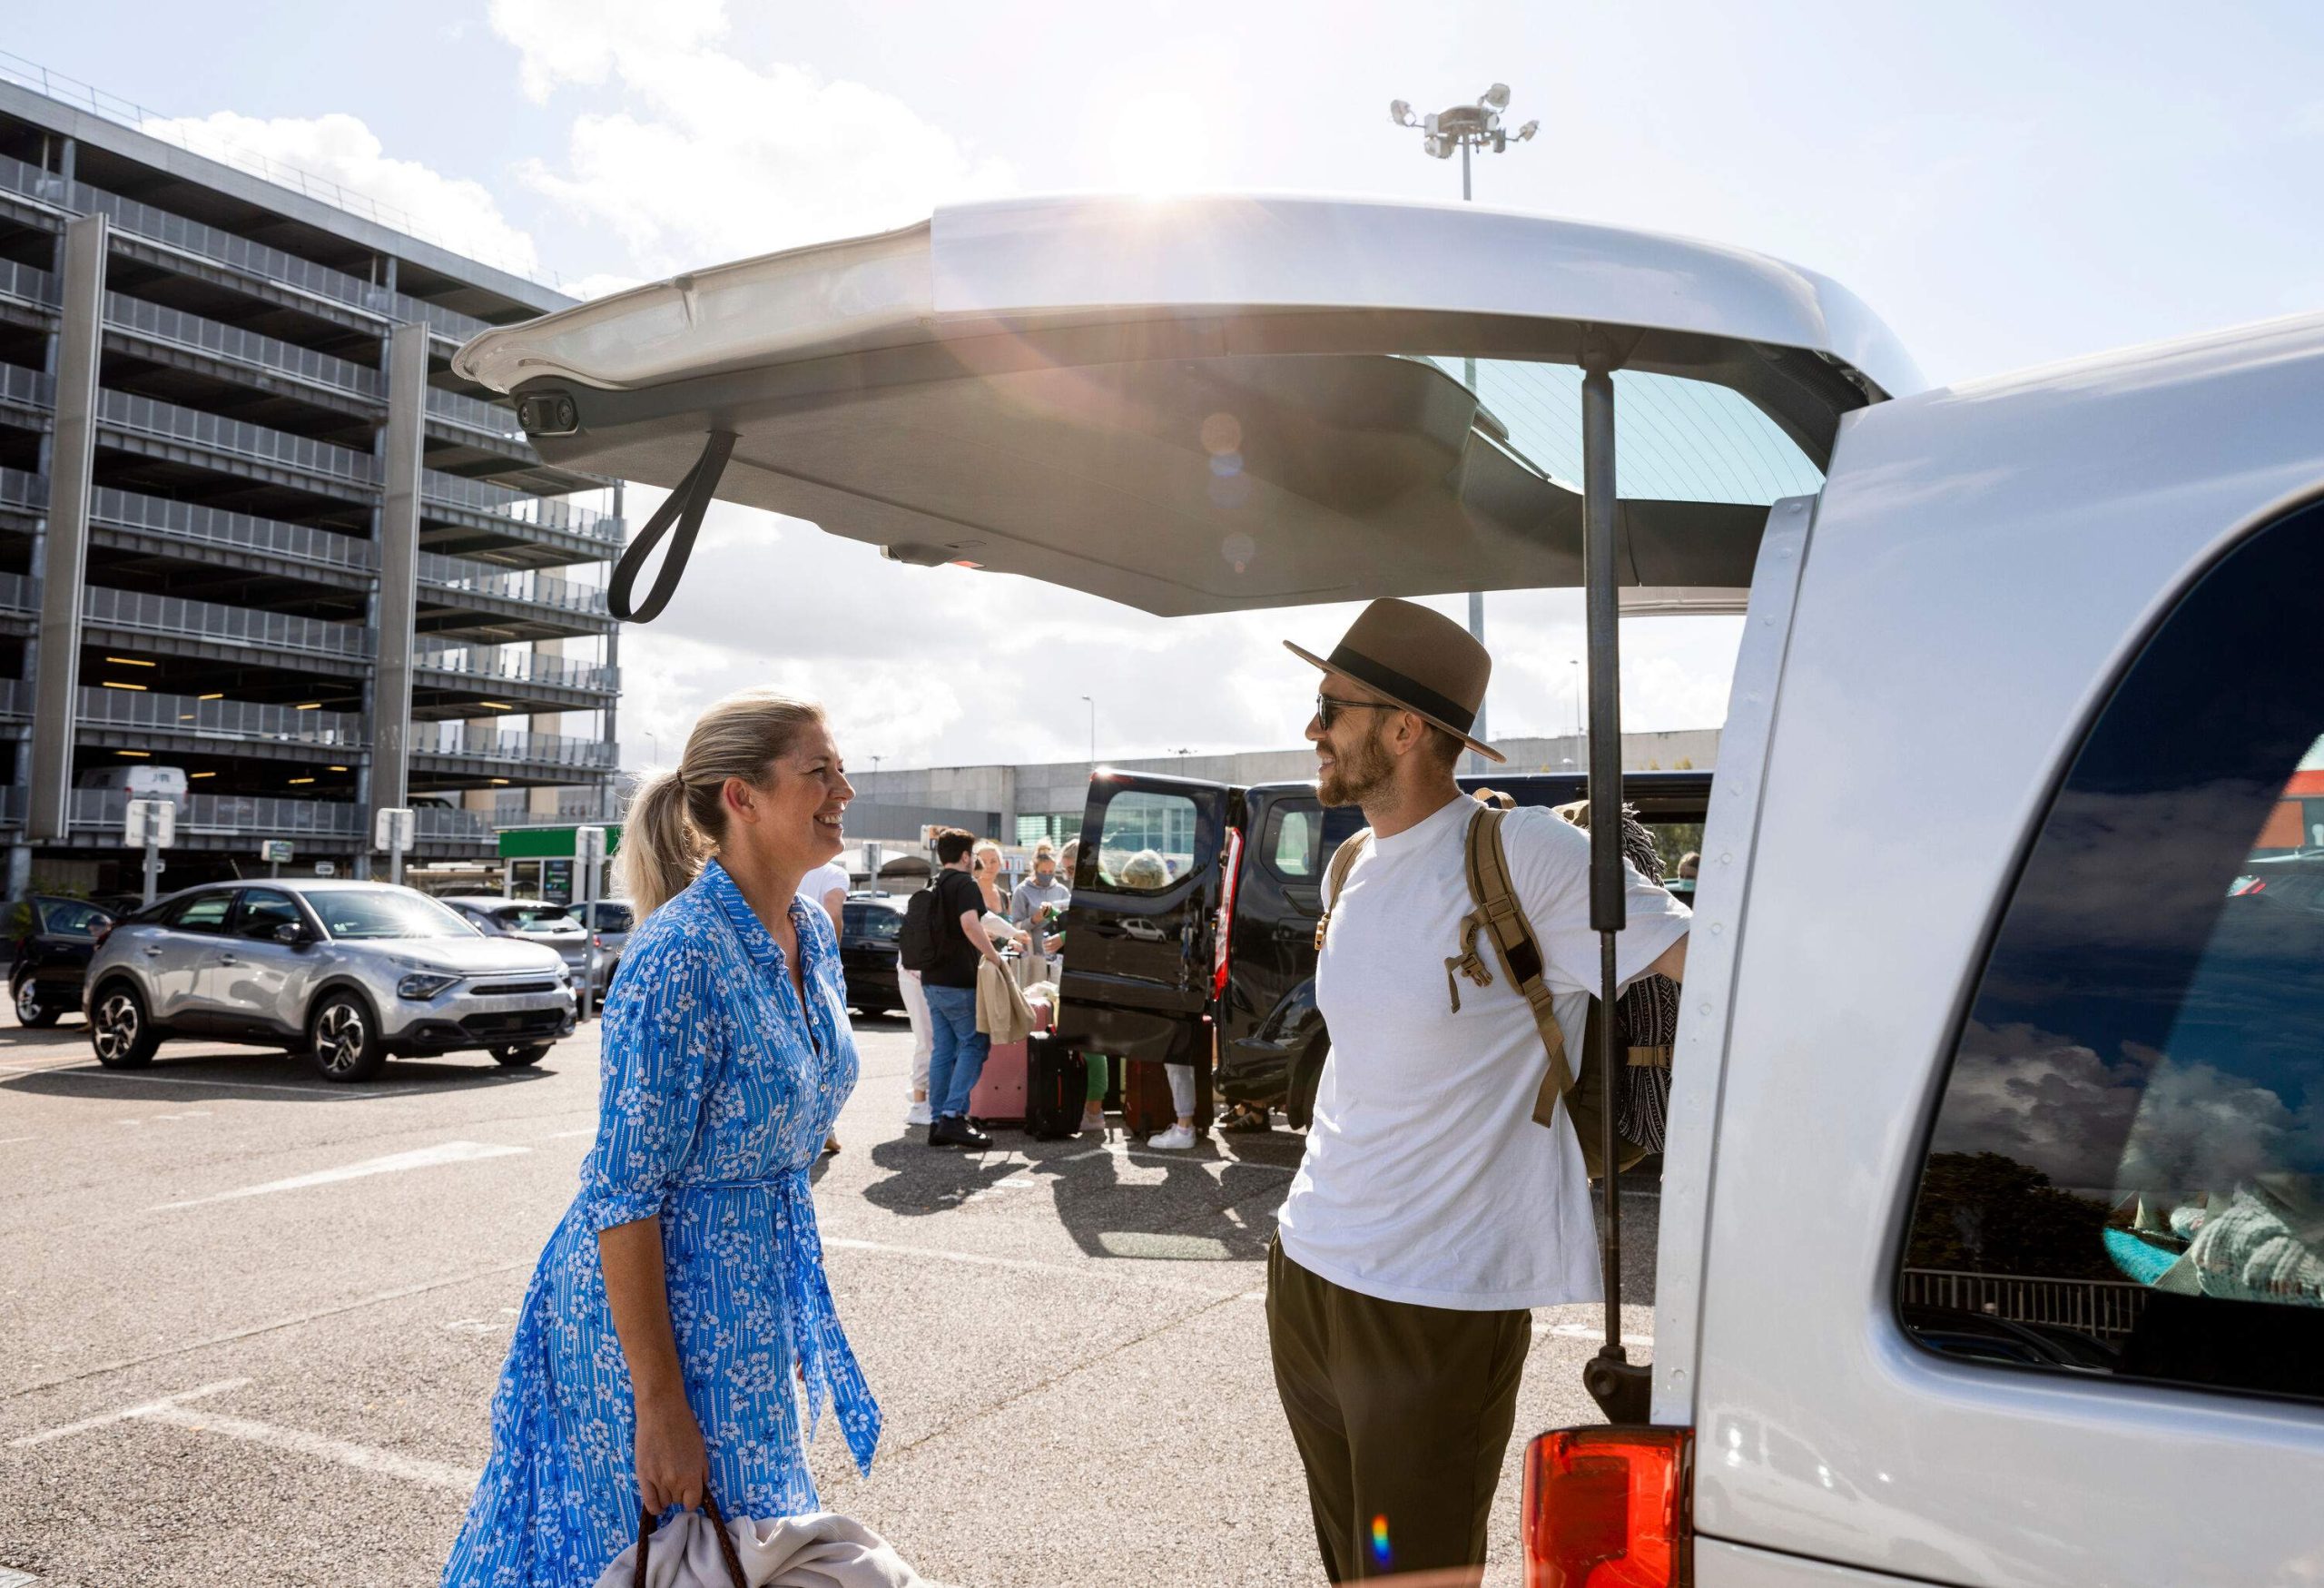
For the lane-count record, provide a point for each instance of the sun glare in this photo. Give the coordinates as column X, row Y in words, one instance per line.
column 1160, row 143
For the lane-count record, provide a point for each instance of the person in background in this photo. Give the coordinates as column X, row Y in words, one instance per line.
column 1039, row 890
column 1147, row 871
column 990, row 865
column 827, row 887
column 950, row 986
column 1688, row 864
column 923, row 1042
column 1067, row 858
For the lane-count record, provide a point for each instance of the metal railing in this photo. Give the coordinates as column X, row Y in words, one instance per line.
column 24, row 490
column 29, row 387
column 498, row 745
column 19, row 593
column 524, row 667
column 519, row 506
column 15, row 697
column 27, row 285
column 190, row 521
column 227, row 719
column 199, row 140
column 232, row 342
column 234, row 251
column 149, row 416
column 567, row 814
column 440, row 822
column 174, row 615
column 459, row 408
column 2107, row 1308
column 439, row 572
column 227, row 814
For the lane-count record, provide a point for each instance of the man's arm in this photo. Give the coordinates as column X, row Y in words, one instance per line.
column 1673, row 960
column 973, row 928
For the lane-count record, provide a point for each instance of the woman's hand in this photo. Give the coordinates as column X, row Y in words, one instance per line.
column 673, row 1468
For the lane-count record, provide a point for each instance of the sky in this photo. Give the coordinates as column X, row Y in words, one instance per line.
column 2004, row 184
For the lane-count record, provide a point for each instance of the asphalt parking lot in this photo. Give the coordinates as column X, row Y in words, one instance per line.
column 249, row 1322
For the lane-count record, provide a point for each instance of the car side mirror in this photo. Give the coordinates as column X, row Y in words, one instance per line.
column 291, row 933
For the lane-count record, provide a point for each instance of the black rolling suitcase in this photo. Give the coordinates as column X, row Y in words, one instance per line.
column 1057, row 1079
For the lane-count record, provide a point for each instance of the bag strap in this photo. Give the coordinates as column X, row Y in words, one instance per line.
column 1503, row 919
column 1344, row 860
column 717, row 1525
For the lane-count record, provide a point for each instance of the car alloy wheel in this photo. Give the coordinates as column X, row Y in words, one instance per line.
column 340, row 1039
column 118, row 1031
column 27, row 1000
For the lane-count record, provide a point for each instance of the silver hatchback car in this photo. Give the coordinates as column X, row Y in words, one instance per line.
column 350, row 973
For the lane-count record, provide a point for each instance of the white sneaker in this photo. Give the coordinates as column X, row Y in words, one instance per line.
column 1176, row 1138
column 918, row 1114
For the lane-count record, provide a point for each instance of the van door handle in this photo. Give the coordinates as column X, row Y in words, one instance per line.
column 153, row 948
column 228, row 960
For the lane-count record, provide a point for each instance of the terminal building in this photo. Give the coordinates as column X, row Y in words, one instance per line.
column 253, row 528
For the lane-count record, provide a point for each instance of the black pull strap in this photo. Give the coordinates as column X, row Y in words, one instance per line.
column 685, row 509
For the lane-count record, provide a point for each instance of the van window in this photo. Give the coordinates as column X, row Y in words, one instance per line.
column 2125, row 1175
column 1288, row 845
column 1146, row 844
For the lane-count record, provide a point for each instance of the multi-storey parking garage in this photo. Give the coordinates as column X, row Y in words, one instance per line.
column 251, row 525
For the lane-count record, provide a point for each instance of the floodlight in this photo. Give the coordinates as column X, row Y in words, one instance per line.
column 1527, row 131
column 1497, row 96
column 1400, row 112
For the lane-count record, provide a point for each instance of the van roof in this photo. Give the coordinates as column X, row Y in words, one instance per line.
column 1192, row 405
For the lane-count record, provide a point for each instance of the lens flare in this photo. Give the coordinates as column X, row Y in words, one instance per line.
column 1380, row 1551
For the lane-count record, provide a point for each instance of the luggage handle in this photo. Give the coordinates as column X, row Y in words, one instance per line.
column 718, row 1524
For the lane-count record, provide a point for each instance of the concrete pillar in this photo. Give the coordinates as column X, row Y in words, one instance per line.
column 398, row 574
column 65, row 543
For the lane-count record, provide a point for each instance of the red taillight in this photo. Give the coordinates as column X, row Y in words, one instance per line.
column 1218, row 956
column 597, row 940
column 103, row 933
column 1609, row 1508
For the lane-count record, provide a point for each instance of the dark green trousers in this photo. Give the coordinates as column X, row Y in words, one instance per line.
column 1402, row 1414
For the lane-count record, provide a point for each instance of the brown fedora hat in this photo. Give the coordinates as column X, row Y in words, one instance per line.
column 1421, row 659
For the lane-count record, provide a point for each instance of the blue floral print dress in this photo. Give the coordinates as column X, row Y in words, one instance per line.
column 718, row 1091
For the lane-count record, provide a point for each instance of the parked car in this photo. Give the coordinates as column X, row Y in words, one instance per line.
column 51, row 960
column 608, row 921
column 2027, row 666
column 351, row 973
column 868, row 925
column 553, row 926
column 1255, row 856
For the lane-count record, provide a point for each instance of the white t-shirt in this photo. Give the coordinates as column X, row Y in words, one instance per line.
column 1425, row 1179
column 823, row 880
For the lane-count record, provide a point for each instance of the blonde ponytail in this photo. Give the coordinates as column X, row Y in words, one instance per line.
column 676, row 818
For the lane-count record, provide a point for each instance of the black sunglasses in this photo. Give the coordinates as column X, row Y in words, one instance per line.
column 1326, row 708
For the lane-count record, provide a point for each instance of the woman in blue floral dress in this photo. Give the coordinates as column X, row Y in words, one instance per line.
column 680, row 1320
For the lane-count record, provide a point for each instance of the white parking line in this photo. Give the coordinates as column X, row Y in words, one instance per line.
column 150, row 1408
column 1143, row 1156
column 1140, row 1276
column 12, row 1578
column 394, row 1163
column 172, row 1409
column 1568, row 1331
column 9, row 1141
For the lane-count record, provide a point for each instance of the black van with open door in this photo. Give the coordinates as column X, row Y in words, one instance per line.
column 1148, row 972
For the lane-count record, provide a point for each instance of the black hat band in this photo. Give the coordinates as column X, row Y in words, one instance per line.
column 1388, row 681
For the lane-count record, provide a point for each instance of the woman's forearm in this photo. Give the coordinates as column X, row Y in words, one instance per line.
column 637, row 1293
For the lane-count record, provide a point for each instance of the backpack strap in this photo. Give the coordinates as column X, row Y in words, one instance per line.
column 1503, row 919
column 1344, row 860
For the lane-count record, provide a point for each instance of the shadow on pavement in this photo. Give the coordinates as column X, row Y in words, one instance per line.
column 253, row 1074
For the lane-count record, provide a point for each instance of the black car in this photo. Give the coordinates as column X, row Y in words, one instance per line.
column 1146, row 975
column 868, row 925
column 51, row 956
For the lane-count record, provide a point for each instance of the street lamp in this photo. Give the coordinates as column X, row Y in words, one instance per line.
column 1093, row 732
column 1465, row 127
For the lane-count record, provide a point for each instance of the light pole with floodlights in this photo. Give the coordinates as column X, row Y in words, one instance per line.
column 1093, row 731
column 1465, row 127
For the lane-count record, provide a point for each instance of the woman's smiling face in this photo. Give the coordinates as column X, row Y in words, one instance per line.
column 793, row 821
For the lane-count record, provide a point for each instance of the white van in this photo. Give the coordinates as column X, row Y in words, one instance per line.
column 140, row 781
column 1991, row 1234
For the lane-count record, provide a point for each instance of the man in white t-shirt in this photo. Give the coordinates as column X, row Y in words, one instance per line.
column 1431, row 1211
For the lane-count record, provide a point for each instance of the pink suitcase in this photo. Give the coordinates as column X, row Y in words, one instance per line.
column 999, row 1093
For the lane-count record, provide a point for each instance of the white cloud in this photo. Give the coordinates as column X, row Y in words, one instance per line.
column 452, row 212
column 708, row 158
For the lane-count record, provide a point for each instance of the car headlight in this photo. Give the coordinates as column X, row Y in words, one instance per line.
column 423, row 984
column 565, row 972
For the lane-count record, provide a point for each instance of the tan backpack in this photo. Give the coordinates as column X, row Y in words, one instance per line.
column 1500, row 917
